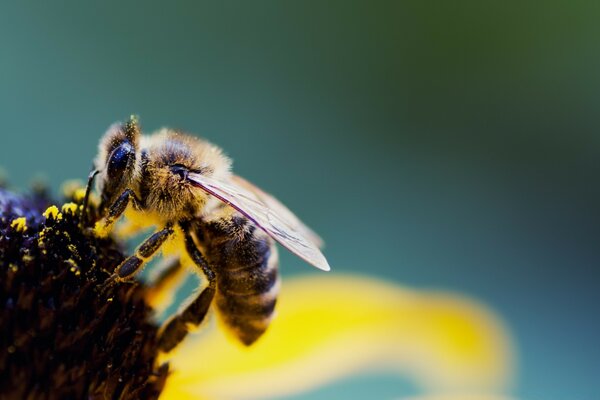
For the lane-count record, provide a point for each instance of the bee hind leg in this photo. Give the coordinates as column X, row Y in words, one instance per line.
column 175, row 330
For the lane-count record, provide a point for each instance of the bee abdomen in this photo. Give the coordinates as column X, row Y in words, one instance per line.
column 246, row 294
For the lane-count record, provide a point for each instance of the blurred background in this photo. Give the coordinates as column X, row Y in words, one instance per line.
column 450, row 145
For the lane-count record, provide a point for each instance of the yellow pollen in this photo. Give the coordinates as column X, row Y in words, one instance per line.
column 51, row 212
column 69, row 208
column 19, row 224
column 101, row 229
column 41, row 237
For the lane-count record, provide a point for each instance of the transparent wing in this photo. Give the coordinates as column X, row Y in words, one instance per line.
column 278, row 208
column 274, row 224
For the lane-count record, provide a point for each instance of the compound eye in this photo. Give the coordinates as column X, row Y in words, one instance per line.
column 119, row 159
column 180, row 170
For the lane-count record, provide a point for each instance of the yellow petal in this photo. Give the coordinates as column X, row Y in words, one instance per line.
column 333, row 326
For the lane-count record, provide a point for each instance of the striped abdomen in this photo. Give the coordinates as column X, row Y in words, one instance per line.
column 245, row 261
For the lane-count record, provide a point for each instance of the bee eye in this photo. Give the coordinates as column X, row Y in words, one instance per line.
column 180, row 170
column 119, row 159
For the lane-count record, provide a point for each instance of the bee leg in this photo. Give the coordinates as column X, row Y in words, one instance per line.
column 115, row 210
column 143, row 253
column 177, row 328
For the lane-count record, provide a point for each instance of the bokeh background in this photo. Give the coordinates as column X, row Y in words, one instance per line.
column 448, row 145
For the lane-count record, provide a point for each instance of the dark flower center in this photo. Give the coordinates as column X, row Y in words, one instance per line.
column 64, row 333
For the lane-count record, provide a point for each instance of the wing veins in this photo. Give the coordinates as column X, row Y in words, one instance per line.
column 276, row 226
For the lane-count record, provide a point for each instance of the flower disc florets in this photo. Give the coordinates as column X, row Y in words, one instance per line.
column 65, row 332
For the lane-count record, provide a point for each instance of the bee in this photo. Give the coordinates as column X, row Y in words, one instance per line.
column 226, row 227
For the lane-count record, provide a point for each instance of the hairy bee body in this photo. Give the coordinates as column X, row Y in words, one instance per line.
column 157, row 188
column 227, row 227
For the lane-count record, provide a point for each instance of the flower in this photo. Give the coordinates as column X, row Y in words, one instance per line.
column 65, row 333
column 333, row 326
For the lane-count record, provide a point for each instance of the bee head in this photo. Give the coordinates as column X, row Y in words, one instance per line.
column 116, row 159
column 170, row 157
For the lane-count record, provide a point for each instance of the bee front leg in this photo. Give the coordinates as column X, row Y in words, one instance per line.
column 115, row 210
column 86, row 198
column 176, row 328
column 143, row 253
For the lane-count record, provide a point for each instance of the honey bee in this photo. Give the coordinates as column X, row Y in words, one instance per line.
column 227, row 227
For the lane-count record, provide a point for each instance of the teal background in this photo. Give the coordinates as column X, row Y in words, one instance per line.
column 448, row 145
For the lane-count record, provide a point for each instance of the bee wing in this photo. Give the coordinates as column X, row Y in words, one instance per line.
column 278, row 208
column 274, row 224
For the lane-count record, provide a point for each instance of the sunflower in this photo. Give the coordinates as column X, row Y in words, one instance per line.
column 65, row 333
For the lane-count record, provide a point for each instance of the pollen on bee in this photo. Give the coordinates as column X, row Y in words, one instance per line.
column 19, row 224
column 101, row 229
